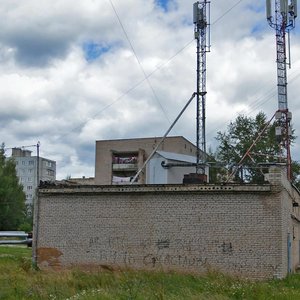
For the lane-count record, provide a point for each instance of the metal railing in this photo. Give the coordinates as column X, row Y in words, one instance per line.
column 21, row 238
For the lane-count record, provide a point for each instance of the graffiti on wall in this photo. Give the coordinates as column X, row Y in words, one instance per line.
column 152, row 253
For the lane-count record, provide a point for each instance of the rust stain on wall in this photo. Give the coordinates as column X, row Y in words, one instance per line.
column 49, row 257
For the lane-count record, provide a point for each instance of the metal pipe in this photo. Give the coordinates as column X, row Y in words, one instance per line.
column 170, row 165
column 289, row 50
column 163, row 138
column 22, row 234
column 16, row 242
column 25, row 238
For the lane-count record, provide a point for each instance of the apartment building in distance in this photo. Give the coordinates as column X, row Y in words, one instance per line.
column 27, row 166
column 117, row 161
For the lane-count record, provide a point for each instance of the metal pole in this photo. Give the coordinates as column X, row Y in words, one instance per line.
column 163, row 138
column 288, row 148
column 198, row 105
column 201, row 21
column 38, row 164
column 36, row 209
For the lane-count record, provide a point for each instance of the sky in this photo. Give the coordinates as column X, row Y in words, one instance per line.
column 73, row 72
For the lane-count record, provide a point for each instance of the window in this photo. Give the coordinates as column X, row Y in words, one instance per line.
column 29, row 187
column 30, row 171
column 23, row 162
column 50, row 172
column 49, row 164
column 29, row 179
column 17, row 162
column 31, row 162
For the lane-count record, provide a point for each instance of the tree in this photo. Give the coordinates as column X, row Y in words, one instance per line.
column 234, row 143
column 12, row 197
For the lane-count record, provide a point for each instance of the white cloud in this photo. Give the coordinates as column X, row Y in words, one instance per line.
column 51, row 93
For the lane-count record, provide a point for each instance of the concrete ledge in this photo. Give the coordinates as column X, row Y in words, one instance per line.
column 154, row 189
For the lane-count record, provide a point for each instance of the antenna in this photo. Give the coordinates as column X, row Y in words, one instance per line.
column 294, row 3
column 282, row 21
column 201, row 19
column 269, row 9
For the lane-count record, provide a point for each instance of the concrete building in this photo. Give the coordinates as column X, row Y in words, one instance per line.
column 117, row 161
column 27, row 166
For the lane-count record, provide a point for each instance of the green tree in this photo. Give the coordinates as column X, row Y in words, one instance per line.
column 234, row 143
column 12, row 197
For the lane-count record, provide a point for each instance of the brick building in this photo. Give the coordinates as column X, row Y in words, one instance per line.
column 245, row 230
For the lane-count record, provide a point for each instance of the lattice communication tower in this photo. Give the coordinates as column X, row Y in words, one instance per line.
column 201, row 19
column 283, row 20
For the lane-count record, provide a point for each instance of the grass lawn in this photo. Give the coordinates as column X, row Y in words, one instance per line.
column 19, row 281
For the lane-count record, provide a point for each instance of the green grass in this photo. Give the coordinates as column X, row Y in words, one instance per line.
column 19, row 281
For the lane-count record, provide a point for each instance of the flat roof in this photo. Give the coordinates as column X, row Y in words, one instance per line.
column 147, row 138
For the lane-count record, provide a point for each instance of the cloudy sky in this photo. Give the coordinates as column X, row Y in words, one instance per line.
column 73, row 72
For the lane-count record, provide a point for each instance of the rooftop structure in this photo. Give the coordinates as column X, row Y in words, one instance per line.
column 117, row 161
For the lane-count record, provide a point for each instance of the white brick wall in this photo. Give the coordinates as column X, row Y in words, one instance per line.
column 240, row 230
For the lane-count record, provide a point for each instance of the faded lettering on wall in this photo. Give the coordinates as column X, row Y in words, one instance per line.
column 155, row 253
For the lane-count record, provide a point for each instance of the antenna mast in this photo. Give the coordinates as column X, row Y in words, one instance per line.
column 201, row 18
column 283, row 21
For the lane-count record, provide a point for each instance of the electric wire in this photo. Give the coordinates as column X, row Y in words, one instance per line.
column 226, row 12
column 160, row 66
column 103, row 109
column 139, row 62
column 271, row 93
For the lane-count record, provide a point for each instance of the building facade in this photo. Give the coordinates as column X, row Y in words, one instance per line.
column 244, row 230
column 117, row 161
column 32, row 169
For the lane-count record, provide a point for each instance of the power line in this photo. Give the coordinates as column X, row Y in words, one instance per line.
column 162, row 65
column 138, row 60
column 226, row 12
column 270, row 94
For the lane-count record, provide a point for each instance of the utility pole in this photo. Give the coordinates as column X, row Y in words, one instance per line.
column 36, row 209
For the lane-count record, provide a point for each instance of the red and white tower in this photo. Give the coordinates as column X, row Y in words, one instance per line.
column 281, row 16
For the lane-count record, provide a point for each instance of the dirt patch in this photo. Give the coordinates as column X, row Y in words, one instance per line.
column 49, row 257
